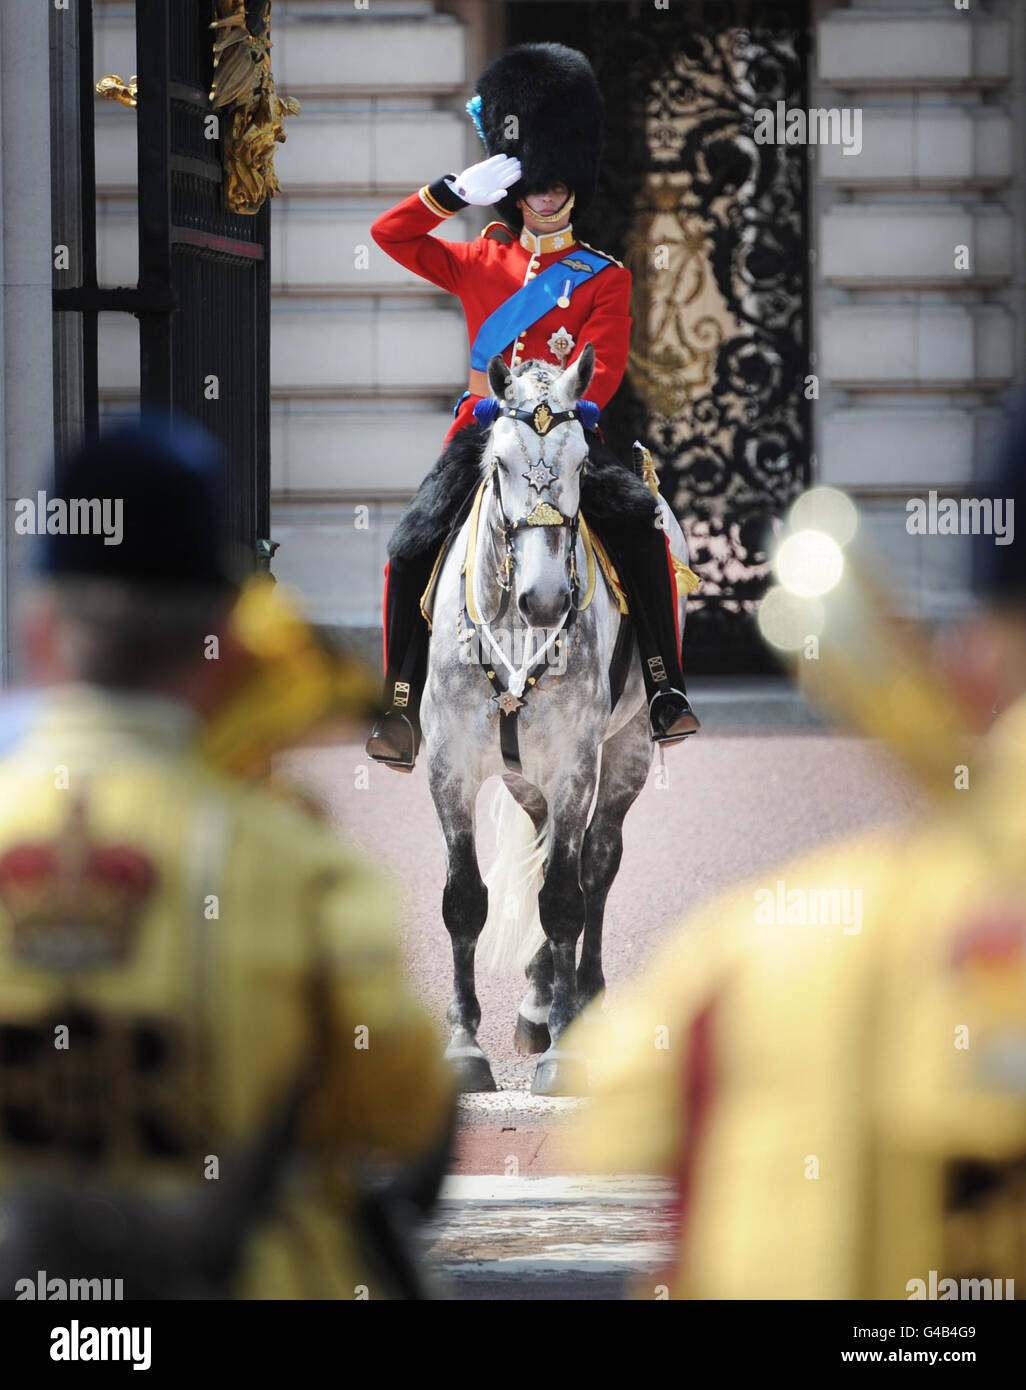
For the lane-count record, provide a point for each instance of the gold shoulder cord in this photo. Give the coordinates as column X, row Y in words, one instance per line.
column 605, row 254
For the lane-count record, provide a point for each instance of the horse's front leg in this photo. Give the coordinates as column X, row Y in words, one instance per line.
column 561, row 908
column 464, row 909
column 626, row 759
column 532, row 1031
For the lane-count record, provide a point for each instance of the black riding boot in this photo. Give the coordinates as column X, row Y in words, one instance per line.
column 642, row 561
column 439, row 507
column 395, row 737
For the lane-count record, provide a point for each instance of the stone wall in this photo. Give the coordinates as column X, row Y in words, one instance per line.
column 366, row 359
column 914, row 355
column 26, row 299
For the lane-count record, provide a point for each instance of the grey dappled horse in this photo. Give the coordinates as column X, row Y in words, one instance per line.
column 570, row 741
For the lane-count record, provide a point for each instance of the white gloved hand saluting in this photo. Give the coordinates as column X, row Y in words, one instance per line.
column 485, row 183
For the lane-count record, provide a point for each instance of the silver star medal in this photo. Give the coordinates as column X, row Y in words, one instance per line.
column 561, row 344
column 508, row 702
column 539, row 475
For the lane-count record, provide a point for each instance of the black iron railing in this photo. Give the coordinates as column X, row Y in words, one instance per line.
column 203, row 293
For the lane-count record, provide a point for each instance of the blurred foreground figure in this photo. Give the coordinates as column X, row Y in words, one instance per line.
column 830, row 1061
column 204, row 1036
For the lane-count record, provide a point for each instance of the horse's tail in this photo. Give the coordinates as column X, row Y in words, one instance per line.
column 512, row 931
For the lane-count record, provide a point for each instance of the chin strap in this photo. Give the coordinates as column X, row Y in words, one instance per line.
column 547, row 218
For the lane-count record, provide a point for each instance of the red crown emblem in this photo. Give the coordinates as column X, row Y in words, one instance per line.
column 73, row 904
column 996, row 937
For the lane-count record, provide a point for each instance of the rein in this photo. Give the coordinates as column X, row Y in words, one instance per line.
column 511, row 689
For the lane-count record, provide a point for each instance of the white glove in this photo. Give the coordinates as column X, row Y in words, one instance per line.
column 485, row 183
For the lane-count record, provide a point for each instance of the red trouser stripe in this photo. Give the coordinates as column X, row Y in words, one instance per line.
column 384, row 621
column 697, row 1095
column 673, row 590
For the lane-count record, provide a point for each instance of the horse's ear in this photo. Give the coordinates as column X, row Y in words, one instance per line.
column 572, row 385
column 499, row 376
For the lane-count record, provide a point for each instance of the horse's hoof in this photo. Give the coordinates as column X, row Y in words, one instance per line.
column 472, row 1073
column 560, row 1074
column 531, row 1037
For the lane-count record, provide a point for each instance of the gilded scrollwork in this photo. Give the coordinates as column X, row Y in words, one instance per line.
column 713, row 235
column 667, row 251
column 115, row 88
column 244, row 90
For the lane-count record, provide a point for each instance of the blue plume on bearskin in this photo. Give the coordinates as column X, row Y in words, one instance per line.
column 474, row 111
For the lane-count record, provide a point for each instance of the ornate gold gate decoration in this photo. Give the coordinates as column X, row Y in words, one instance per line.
column 244, row 83
column 712, row 226
column 115, row 88
column 717, row 249
column 681, row 314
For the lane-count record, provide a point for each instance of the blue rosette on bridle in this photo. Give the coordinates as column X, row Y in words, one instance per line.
column 589, row 413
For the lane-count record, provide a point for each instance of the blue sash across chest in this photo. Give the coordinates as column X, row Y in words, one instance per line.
column 532, row 302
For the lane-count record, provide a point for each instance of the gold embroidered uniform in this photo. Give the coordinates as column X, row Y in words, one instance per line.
column 196, row 939
column 830, row 1064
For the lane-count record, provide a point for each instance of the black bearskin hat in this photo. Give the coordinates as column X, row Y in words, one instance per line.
column 552, row 92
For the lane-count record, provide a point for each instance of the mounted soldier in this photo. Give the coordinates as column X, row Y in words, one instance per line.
column 531, row 290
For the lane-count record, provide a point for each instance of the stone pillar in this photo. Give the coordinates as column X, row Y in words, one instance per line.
column 26, row 319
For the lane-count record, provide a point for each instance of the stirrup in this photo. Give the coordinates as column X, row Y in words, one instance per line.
column 683, row 726
column 391, row 743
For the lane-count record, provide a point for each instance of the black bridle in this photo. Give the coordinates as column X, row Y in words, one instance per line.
column 508, row 530
column 541, row 419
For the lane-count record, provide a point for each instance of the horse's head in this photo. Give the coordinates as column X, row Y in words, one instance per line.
column 537, row 450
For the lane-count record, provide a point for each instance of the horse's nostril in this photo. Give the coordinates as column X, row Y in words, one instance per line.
column 543, row 611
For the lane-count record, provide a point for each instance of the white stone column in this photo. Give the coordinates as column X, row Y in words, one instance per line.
column 26, row 318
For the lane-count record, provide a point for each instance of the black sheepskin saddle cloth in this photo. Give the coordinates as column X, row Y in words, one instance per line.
column 614, row 500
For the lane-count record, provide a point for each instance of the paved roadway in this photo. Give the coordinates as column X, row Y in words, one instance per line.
column 737, row 800
column 761, row 783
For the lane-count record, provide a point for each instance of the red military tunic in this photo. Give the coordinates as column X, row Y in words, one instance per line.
column 484, row 273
